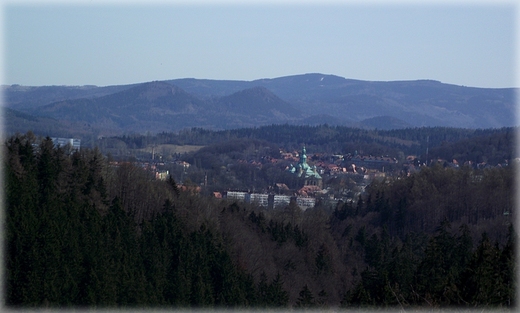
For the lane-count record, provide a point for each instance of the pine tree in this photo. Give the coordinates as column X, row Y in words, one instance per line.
column 507, row 267
column 263, row 290
column 305, row 299
column 276, row 295
column 22, row 222
column 323, row 261
column 358, row 297
column 322, row 298
column 482, row 279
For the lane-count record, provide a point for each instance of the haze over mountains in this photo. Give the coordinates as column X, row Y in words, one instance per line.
column 222, row 104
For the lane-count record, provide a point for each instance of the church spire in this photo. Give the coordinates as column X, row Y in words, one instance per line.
column 303, row 156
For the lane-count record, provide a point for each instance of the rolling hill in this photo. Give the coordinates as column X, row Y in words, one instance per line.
column 300, row 99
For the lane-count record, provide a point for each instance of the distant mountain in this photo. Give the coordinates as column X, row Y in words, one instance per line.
column 300, row 99
column 19, row 122
column 257, row 100
column 154, row 107
column 254, row 106
column 384, row 123
column 419, row 102
column 27, row 97
column 290, row 88
column 160, row 106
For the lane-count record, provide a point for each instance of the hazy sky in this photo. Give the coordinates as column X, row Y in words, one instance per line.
column 109, row 43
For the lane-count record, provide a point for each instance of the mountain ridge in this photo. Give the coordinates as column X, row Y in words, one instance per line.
column 171, row 105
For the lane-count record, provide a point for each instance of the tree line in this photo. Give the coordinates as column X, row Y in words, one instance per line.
column 341, row 139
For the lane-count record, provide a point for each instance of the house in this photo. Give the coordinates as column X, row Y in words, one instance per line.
column 161, row 175
column 74, row 143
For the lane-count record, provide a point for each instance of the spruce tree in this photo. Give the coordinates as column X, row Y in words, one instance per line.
column 305, row 299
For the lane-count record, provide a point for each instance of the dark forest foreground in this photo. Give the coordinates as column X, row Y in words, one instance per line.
column 80, row 233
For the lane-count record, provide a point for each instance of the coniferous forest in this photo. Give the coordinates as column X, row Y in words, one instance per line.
column 81, row 233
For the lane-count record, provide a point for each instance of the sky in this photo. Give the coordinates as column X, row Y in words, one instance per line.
column 116, row 42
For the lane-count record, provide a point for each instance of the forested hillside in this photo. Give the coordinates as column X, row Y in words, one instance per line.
column 82, row 233
column 309, row 99
column 476, row 145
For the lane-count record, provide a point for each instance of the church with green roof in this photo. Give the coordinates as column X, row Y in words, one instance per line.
column 305, row 171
